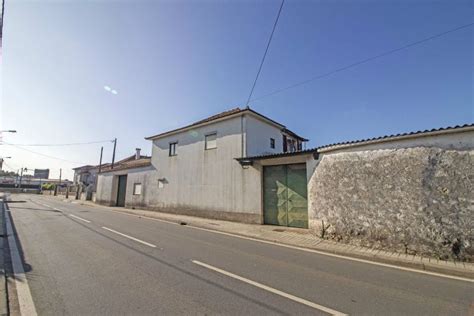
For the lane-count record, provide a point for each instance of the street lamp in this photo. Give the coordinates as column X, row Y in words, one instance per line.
column 8, row 131
column 1, row 161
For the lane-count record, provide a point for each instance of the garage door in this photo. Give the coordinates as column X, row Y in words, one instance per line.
column 285, row 195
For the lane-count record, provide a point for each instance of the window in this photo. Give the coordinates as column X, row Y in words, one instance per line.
column 211, row 141
column 272, row 142
column 173, row 147
column 137, row 189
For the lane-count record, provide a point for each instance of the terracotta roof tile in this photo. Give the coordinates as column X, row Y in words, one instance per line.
column 129, row 164
column 225, row 114
column 355, row 142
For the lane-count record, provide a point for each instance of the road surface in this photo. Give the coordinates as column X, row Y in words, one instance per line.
column 86, row 260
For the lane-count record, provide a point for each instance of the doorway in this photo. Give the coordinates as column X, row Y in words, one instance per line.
column 285, row 201
column 121, row 190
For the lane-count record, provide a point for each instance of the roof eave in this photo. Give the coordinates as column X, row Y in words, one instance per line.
column 233, row 115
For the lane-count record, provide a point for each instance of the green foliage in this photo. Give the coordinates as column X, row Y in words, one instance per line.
column 48, row 186
column 8, row 173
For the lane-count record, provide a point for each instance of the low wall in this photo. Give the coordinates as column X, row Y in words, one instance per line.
column 413, row 200
column 20, row 190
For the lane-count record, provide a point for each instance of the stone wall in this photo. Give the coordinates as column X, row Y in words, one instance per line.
column 413, row 200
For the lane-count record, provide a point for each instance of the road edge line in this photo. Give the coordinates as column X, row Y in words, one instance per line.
column 25, row 300
column 414, row 267
column 386, row 265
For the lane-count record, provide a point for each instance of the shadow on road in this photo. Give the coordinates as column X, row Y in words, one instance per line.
column 36, row 209
column 8, row 267
column 184, row 271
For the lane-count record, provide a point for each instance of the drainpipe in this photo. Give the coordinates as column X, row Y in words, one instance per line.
column 242, row 136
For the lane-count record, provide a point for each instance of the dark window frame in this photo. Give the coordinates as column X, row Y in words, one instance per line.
column 173, row 149
column 134, row 188
column 272, row 143
column 205, row 141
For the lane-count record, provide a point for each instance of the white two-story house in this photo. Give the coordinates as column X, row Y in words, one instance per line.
column 194, row 169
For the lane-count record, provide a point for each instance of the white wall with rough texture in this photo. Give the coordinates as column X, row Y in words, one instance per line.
column 412, row 196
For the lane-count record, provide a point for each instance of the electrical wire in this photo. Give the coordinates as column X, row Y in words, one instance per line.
column 44, row 155
column 266, row 51
column 364, row 61
column 66, row 144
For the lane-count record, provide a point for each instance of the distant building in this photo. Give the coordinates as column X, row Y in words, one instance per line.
column 30, row 182
column 193, row 169
column 41, row 173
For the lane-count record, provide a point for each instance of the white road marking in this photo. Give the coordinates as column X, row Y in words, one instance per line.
column 133, row 215
column 270, row 289
column 129, row 237
column 79, row 218
column 25, row 300
column 386, row 265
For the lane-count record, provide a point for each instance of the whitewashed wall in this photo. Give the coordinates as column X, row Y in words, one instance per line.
column 408, row 195
column 258, row 137
column 208, row 183
column 107, row 185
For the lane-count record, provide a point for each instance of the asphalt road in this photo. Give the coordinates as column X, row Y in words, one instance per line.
column 84, row 260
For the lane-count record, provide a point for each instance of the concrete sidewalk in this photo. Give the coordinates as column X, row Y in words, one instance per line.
column 301, row 238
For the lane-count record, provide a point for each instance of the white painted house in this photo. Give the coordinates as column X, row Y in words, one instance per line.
column 194, row 168
column 240, row 165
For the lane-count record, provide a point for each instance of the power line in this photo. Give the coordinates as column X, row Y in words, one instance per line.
column 6, row 165
column 44, row 155
column 66, row 144
column 364, row 61
column 266, row 50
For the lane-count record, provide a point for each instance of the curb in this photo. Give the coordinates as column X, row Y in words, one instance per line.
column 421, row 265
column 3, row 276
column 451, row 268
column 415, row 265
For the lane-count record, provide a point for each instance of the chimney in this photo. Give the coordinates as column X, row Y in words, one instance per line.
column 137, row 155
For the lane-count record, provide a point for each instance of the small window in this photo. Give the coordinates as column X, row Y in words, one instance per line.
column 137, row 189
column 211, row 141
column 272, row 142
column 173, row 147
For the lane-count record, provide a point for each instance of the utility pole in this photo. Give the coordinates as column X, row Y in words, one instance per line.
column 56, row 187
column 100, row 161
column 113, row 154
column 21, row 176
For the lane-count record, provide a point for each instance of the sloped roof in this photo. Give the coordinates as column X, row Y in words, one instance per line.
column 390, row 137
column 126, row 163
column 359, row 142
column 86, row 167
column 228, row 113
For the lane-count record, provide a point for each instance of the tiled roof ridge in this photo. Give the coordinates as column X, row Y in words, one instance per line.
column 360, row 141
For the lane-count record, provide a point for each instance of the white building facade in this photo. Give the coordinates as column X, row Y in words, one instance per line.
column 194, row 170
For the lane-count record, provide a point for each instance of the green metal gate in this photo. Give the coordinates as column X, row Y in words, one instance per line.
column 121, row 190
column 285, row 195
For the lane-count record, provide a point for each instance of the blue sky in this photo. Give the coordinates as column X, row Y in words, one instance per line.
column 174, row 62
